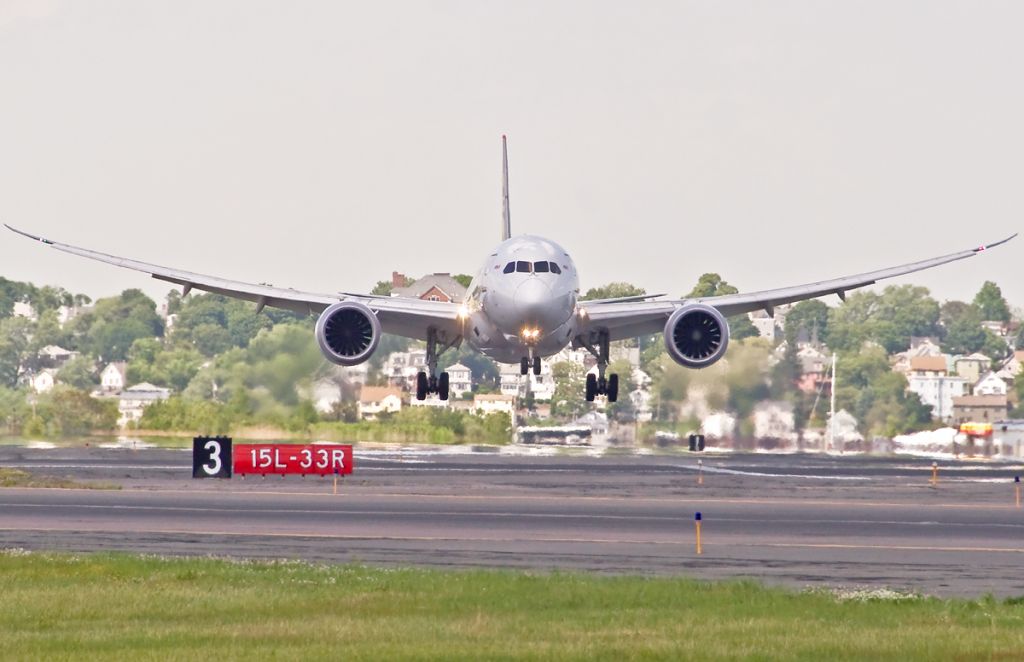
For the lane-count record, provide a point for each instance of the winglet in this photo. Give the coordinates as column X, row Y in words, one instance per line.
column 506, row 219
column 993, row 245
column 26, row 234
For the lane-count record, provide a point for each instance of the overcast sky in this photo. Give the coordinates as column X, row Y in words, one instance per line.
column 319, row 145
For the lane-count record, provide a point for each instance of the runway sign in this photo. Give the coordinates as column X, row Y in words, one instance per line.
column 316, row 459
column 217, row 457
column 211, row 457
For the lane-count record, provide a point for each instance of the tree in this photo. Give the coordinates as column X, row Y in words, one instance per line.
column 463, row 279
column 878, row 397
column 622, row 409
column 809, row 317
column 15, row 334
column 613, row 290
column 68, row 411
column 712, row 285
column 79, row 372
column 990, row 303
column 964, row 333
column 889, row 319
column 568, row 399
column 115, row 323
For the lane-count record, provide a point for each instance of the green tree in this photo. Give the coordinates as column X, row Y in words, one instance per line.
column 463, row 279
column 68, row 411
column 568, row 400
column 79, row 372
column 613, row 290
column 712, row 285
column 15, row 343
column 990, row 303
column 622, row 409
column 810, row 317
column 109, row 330
column 889, row 319
column 878, row 397
column 964, row 334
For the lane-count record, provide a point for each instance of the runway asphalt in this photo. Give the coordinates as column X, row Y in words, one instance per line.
column 794, row 519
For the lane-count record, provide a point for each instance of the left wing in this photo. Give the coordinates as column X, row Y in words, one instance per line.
column 411, row 318
column 627, row 320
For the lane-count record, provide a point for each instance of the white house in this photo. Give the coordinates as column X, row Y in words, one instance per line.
column 134, row 400
column 929, row 379
column 376, row 400
column 484, row 404
column 22, row 309
column 325, row 394
column 400, row 368
column 774, row 420
column 43, row 380
column 460, row 380
column 971, row 367
column 990, row 384
column 113, row 378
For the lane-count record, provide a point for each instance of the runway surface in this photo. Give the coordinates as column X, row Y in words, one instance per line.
column 795, row 519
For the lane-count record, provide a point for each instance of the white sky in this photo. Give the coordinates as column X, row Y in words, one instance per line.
column 320, row 145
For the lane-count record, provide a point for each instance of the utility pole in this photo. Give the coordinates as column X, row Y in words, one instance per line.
column 832, row 407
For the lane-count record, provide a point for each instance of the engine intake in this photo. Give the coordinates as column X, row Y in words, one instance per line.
column 696, row 335
column 348, row 332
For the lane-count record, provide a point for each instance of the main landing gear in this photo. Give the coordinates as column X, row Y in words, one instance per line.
column 599, row 384
column 433, row 382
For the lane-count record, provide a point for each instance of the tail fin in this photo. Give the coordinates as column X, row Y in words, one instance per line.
column 506, row 219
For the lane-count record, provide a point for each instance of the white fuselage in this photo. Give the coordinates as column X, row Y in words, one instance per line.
column 523, row 301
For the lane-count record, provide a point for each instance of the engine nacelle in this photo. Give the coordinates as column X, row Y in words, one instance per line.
column 696, row 335
column 348, row 332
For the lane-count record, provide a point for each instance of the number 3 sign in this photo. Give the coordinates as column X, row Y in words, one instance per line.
column 211, row 457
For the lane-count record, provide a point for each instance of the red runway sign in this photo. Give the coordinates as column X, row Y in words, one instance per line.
column 316, row 459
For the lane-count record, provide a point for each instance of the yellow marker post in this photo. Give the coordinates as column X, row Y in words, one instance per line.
column 700, row 472
column 696, row 518
column 935, row 474
column 1016, row 488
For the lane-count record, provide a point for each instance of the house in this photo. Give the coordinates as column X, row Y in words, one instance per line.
column 971, row 367
column 814, row 367
column 434, row 287
column 22, row 309
column 774, row 420
column 766, row 325
column 845, row 430
column 326, row 393
column 55, row 356
column 484, row 404
column 719, row 425
column 980, row 408
column 44, row 380
column 134, row 400
column 400, row 368
column 1012, row 366
column 113, row 378
column 514, row 383
column 377, row 400
column 460, row 380
column 990, row 384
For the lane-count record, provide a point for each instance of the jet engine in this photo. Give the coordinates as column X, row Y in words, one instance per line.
column 696, row 335
column 348, row 332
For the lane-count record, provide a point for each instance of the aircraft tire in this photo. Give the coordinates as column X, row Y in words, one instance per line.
column 613, row 388
column 442, row 386
column 421, row 386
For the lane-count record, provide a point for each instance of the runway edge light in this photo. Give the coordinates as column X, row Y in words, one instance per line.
column 697, row 520
column 1016, row 489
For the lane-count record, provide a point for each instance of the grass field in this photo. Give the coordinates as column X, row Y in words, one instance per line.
column 19, row 478
column 130, row 607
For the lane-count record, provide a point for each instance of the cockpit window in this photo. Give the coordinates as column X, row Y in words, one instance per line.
column 510, row 267
column 523, row 267
column 540, row 268
column 555, row 269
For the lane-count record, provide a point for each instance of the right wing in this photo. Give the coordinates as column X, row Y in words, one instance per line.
column 401, row 316
column 630, row 319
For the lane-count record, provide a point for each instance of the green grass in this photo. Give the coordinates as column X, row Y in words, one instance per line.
column 19, row 478
column 130, row 607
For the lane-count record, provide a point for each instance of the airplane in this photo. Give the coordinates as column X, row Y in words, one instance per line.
column 522, row 305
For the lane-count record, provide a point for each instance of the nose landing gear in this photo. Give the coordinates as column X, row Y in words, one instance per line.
column 526, row 362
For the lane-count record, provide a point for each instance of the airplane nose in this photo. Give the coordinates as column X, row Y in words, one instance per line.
column 535, row 305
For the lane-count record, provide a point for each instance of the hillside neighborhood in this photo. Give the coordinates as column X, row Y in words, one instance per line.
column 773, row 390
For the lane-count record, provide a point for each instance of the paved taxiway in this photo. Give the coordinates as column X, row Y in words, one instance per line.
column 799, row 520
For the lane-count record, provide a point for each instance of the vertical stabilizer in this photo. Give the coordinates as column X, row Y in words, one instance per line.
column 506, row 220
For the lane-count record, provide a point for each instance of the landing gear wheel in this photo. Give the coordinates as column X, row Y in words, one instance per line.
column 536, row 365
column 421, row 386
column 524, row 366
column 613, row 388
column 442, row 386
column 591, row 387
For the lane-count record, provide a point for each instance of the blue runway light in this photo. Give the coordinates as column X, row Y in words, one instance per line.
column 1016, row 479
column 697, row 516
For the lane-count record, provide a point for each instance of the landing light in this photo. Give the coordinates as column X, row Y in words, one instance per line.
column 463, row 312
column 530, row 334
